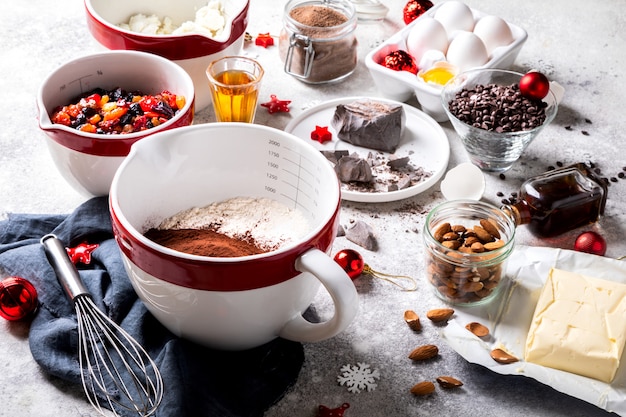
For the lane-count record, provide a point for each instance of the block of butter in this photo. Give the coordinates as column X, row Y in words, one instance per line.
column 579, row 325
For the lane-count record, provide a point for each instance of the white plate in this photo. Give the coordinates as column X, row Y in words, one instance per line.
column 509, row 316
column 423, row 138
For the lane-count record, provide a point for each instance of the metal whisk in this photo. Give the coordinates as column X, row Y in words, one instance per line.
column 115, row 369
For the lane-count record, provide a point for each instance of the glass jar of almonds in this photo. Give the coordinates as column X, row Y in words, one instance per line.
column 467, row 245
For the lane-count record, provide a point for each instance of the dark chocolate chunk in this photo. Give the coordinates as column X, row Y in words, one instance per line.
column 362, row 234
column 350, row 168
column 396, row 163
column 370, row 124
column 334, row 156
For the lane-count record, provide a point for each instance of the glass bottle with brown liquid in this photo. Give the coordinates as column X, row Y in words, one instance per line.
column 559, row 201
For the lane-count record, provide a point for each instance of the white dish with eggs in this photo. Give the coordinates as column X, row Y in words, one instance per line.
column 450, row 35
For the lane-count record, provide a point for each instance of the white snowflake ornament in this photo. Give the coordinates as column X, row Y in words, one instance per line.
column 358, row 378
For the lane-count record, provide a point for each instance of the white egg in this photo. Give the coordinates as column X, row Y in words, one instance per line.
column 467, row 51
column 427, row 34
column 455, row 15
column 494, row 32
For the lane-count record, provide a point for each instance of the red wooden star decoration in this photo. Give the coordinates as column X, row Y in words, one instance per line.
column 264, row 40
column 324, row 411
column 81, row 253
column 321, row 134
column 276, row 105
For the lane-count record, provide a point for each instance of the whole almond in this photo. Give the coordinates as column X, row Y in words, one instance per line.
column 494, row 245
column 440, row 314
column 489, row 226
column 478, row 329
column 423, row 388
column 412, row 320
column 448, row 382
column 483, row 235
column 424, row 352
column 442, row 230
column 501, row 356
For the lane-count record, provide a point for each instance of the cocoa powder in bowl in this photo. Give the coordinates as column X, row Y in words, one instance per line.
column 317, row 42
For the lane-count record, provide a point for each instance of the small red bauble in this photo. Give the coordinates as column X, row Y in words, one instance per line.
column 18, row 298
column 400, row 61
column 324, row 411
column 534, row 85
column 590, row 242
column 351, row 261
column 414, row 9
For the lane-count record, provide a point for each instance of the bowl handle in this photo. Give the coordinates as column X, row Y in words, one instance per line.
column 342, row 291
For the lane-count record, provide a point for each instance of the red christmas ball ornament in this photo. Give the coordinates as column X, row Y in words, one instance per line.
column 590, row 242
column 414, row 9
column 18, row 298
column 400, row 61
column 534, row 85
column 351, row 261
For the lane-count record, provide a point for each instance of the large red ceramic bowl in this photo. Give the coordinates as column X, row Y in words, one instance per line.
column 192, row 51
column 88, row 161
column 234, row 302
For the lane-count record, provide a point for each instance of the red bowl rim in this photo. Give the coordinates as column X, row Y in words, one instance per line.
column 218, row 274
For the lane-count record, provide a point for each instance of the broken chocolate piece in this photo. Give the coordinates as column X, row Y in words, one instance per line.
column 350, row 168
column 334, row 156
column 396, row 163
column 371, row 124
column 362, row 234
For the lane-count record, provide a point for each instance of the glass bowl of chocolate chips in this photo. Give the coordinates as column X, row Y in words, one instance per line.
column 498, row 113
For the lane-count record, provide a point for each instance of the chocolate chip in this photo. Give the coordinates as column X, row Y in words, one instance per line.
column 497, row 108
column 502, row 176
column 584, row 132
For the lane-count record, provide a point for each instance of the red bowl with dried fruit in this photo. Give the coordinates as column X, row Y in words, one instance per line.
column 93, row 108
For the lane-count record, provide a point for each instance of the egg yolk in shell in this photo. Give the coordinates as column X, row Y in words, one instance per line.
column 437, row 75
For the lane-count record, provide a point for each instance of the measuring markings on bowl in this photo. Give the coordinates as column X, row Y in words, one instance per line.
column 292, row 175
column 79, row 80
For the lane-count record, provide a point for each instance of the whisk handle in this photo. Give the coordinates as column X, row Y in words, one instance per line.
column 66, row 271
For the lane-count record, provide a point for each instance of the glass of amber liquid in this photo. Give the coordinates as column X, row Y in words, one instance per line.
column 235, row 83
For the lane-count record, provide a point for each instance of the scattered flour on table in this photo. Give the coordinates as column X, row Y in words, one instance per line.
column 269, row 223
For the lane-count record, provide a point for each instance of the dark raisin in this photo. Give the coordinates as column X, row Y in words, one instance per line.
column 127, row 118
column 164, row 108
column 135, row 109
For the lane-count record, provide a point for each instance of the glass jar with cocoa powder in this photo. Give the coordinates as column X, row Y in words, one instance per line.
column 317, row 43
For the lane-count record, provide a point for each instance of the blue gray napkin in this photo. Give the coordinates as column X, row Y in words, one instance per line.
column 198, row 381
